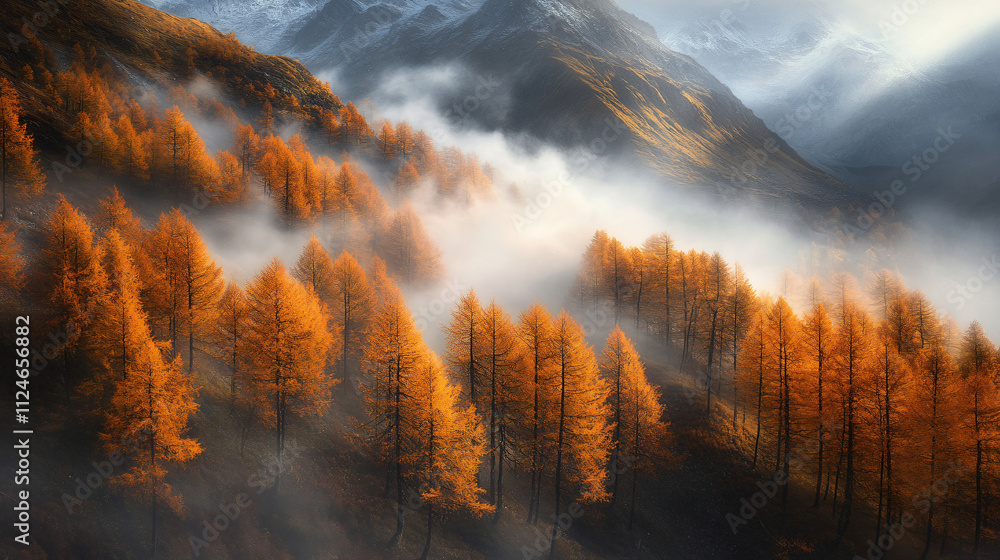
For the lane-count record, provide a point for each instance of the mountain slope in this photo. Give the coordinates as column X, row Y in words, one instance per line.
column 572, row 67
column 152, row 49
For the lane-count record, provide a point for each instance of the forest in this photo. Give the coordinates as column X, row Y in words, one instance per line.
column 548, row 428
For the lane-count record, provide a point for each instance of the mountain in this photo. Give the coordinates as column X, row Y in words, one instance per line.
column 260, row 23
column 877, row 108
column 569, row 68
column 152, row 49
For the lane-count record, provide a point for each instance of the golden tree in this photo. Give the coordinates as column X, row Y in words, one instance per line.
column 190, row 281
column 314, row 269
column 447, row 445
column 352, row 301
column 641, row 432
column 541, row 390
column 10, row 266
column 289, row 345
column 582, row 437
column 151, row 406
column 393, row 356
column 465, row 343
column 19, row 166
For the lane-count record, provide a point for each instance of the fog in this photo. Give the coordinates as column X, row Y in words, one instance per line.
column 525, row 244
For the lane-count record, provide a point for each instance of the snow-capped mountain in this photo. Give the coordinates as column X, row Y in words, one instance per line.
column 259, row 23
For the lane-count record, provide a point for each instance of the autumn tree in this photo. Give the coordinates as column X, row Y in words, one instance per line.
column 19, row 166
column 852, row 373
column 410, row 252
column 980, row 414
column 393, row 356
column 659, row 250
column 70, row 274
column 114, row 214
column 230, row 334
column 465, row 342
column 315, row 270
column 447, row 446
column 10, row 266
column 192, row 283
column 582, row 438
column 132, row 160
column 500, row 377
column 817, row 334
column 151, row 406
column 286, row 332
column 352, row 301
column 640, row 429
column 537, row 333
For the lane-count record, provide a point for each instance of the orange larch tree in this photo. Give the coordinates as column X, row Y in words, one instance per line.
column 10, row 266
column 583, row 435
column 352, row 302
column 71, row 277
column 641, row 432
column 447, row 445
column 465, row 343
column 501, row 380
column 541, row 390
column 289, row 346
column 151, row 405
column 19, row 166
column 394, row 353
column 314, row 269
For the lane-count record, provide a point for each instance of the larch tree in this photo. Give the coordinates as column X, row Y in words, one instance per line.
column 230, row 334
column 541, row 389
column 447, row 445
column 852, row 374
column 314, row 269
column 583, row 435
column 783, row 333
column 19, row 165
column 71, row 277
column 152, row 405
column 981, row 414
column 660, row 255
column 410, row 252
column 289, row 344
column 114, row 214
column 618, row 361
column 120, row 325
column 351, row 304
column 499, row 400
column 641, row 430
column 754, row 367
column 133, row 160
column 393, row 356
column 817, row 334
column 10, row 266
column 465, row 342
column 194, row 282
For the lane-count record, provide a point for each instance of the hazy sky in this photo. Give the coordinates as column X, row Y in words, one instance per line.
column 919, row 32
